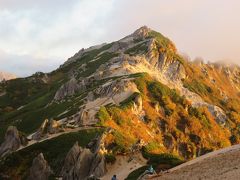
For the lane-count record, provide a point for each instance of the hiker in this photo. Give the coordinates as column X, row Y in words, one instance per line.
column 150, row 170
column 114, row 177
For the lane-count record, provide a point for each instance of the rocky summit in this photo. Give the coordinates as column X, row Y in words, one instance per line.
column 117, row 108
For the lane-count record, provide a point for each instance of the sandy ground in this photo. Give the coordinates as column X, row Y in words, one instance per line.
column 123, row 167
column 221, row 164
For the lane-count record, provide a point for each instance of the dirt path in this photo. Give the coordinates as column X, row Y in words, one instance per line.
column 123, row 167
column 50, row 136
column 221, row 164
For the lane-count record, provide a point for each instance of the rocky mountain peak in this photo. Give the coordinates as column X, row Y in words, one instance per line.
column 139, row 88
column 142, row 32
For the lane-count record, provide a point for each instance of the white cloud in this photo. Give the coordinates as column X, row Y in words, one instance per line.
column 25, row 65
column 48, row 32
column 43, row 34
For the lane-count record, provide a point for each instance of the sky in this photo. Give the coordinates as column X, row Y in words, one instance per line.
column 41, row 35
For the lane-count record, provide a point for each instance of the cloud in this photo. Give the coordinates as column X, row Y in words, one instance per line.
column 26, row 65
column 42, row 34
column 54, row 30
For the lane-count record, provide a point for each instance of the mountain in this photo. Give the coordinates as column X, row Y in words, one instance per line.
column 6, row 76
column 115, row 108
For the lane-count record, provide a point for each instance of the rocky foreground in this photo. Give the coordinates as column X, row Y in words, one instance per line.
column 222, row 164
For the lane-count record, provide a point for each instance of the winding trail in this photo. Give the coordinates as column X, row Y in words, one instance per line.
column 51, row 136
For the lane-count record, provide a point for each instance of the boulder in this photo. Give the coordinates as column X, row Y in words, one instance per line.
column 53, row 127
column 98, row 167
column 40, row 169
column 47, row 127
column 12, row 141
column 218, row 113
column 83, row 163
column 68, row 89
column 138, row 103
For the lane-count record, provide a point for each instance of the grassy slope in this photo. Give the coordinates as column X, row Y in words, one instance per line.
column 35, row 95
column 17, row 164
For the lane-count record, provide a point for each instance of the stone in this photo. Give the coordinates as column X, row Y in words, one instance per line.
column 40, row 169
column 68, row 89
column 141, row 32
column 83, row 164
column 47, row 127
column 12, row 141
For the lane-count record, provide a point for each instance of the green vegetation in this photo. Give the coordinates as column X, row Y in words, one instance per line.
column 134, row 175
column 164, row 158
column 110, row 158
column 167, row 98
column 85, row 58
column 168, row 160
column 162, row 40
column 198, row 87
column 103, row 115
column 128, row 103
column 166, row 47
column 201, row 116
column 141, row 48
column 54, row 151
column 92, row 66
column 151, row 146
column 33, row 96
column 121, row 144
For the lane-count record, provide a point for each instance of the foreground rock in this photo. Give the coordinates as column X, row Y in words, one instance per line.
column 221, row 164
column 40, row 169
column 81, row 164
column 12, row 141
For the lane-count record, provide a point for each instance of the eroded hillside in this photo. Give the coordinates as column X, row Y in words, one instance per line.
column 135, row 95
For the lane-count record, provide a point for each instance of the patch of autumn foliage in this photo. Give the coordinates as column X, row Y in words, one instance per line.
column 169, row 124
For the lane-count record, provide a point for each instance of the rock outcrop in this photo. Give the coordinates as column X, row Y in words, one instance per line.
column 142, row 32
column 80, row 164
column 47, row 127
column 168, row 67
column 40, row 169
column 12, row 141
column 112, row 92
column 68, row 89
column 138, row 104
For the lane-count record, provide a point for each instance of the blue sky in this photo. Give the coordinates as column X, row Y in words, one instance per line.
column 41, row 35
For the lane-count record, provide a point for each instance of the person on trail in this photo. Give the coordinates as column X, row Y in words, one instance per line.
column 150, row 170
column 114, row 177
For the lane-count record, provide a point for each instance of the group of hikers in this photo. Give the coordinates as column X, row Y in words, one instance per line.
column 150, row 171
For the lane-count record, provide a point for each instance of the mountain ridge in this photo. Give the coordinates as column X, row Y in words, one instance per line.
column 136, row 94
